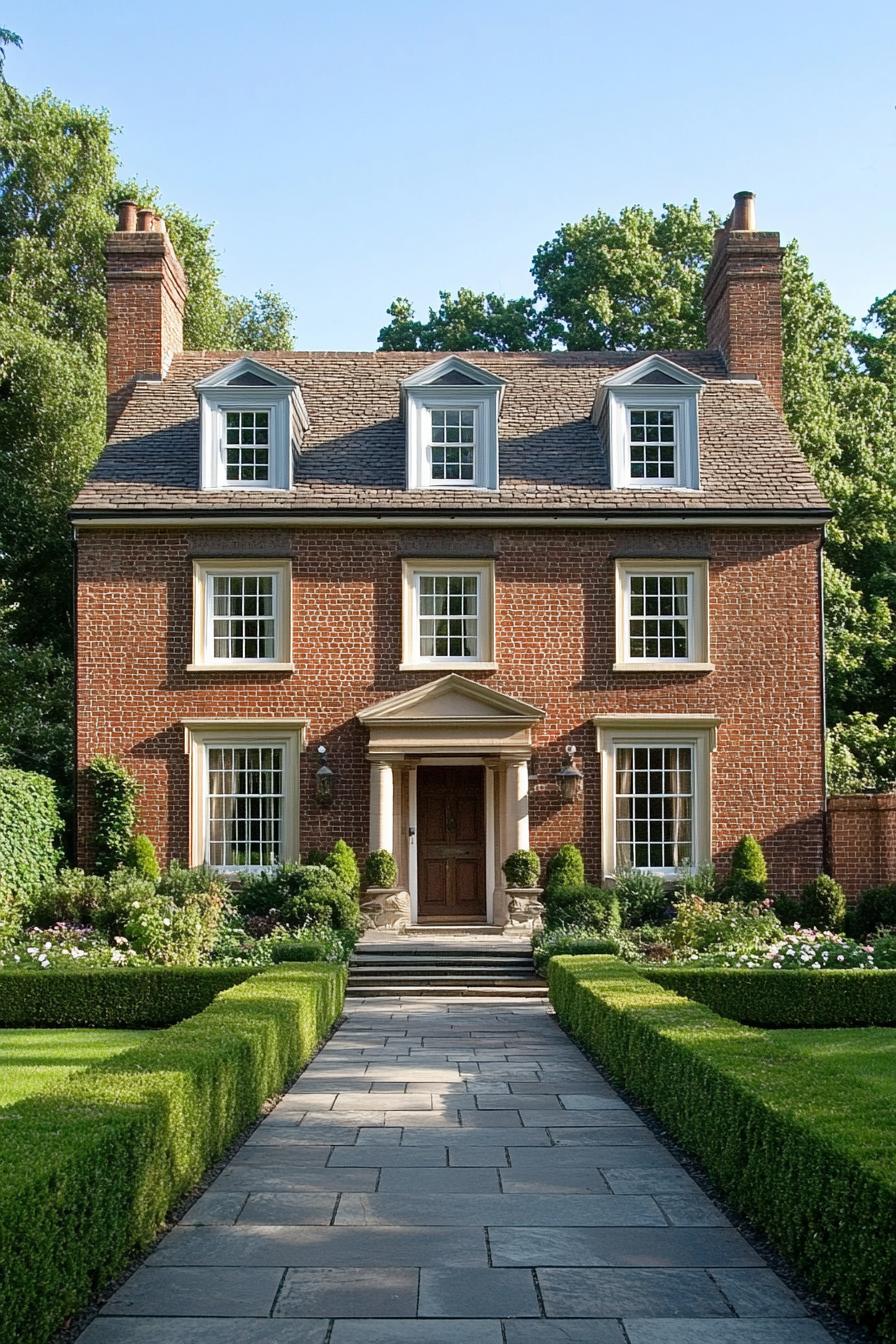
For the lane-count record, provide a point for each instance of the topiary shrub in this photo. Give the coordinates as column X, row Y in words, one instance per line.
column 748, row 879
column 875, row 909
column 380, row 869
column 642, row 897
column 115, row 811
column 141, row 858
column 824, row 904
column 566, row 868
column 341, row 860
column 583, row 907
column 29, row 828
column 301, row 895
column 522, row 868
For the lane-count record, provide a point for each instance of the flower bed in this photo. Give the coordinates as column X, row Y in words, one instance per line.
column 804, row 1152
column 89, row 1170
column 124, row 996
column 804, row 998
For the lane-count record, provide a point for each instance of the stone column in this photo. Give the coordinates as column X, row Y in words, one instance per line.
column 516, row 803
column 381, row 806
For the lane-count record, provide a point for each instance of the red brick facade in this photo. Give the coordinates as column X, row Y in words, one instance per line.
column 554, row 649
column 862, row 841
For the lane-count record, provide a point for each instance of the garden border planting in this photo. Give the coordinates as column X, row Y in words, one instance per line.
column 115, row 996
column 786, row 998
column 90, row 1169
column 807, row 1161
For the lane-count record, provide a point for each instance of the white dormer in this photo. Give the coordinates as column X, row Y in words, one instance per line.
column 451, row 410
column 651, row 425
column 250, row 418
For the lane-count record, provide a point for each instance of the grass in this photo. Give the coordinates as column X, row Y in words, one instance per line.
column 32, row 1059
column 857, row 1060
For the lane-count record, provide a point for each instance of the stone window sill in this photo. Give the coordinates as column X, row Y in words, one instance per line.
column 661, row 666
column 248, row 666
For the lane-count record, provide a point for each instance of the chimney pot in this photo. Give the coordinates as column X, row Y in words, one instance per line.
column 127, row 216
column 145, row 220
column 743, row 216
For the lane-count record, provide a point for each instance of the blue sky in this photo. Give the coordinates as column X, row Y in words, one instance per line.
column 349, row 152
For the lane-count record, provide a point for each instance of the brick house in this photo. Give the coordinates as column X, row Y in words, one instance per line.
column 446, row 580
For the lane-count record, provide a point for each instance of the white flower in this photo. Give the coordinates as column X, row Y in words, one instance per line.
column 16, row 957
column 32, row 951
column 47, row 946
column 841, row 957
column 77, row 952
column 167, row 923
column 777, row 965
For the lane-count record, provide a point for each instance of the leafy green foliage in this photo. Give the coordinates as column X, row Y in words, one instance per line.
column 380, row 869
column 141, row 857
column 115, row 792
column 642, row 897
column 569, row 942
column 121, row 996
column 823, row 904
column 875, row 909
column 300, row 896
column 522, row 868
column 801, row 999
column 583, row 907
column 791, row 1141
column 468, row 321
column 69, row 896
column 720, row 926
column 342, row 861
column 89, row 1173
column 314, row 944
column 565, row 868
column 748, row 876
column 29, row 831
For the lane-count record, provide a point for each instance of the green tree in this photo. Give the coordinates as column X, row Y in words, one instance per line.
column 59, row 180
column 467, row 321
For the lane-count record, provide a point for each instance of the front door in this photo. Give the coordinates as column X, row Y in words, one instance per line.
column 451, row 843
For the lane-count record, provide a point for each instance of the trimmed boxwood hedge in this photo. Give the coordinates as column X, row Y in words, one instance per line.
column 29, row 829
column 787, row 998
column 806, row 1160
column 90, row 1169
column 115, row 996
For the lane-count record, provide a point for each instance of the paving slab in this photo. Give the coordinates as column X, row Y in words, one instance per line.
column 448, row 1172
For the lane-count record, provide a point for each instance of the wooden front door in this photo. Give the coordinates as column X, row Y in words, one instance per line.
column 451, row 843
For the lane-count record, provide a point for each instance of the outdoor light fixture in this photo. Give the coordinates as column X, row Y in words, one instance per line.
column 570, row 777
column 324, row 780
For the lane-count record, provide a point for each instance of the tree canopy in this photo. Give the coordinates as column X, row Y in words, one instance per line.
column 635, row 282
column 59, row 181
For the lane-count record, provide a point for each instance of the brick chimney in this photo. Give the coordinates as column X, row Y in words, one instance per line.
column 146, row 290
column 742, row 298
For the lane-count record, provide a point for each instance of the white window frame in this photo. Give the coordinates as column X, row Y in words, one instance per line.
column 697, row 731
column 412, row 570
column 465, row 483
column 697, row 573
column 214, row 405
column 204, row 570
column 683, row 405
column 426, row 391
column 201, row 735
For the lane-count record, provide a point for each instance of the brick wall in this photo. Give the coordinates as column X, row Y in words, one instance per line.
column 742, row 298
column 862, row 840
column 555, row 649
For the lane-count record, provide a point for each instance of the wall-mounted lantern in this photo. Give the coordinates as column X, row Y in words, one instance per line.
column 570, row 778
column 324, row 780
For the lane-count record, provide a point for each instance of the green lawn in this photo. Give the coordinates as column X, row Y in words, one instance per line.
column 32, row 1059
column 862, row 1059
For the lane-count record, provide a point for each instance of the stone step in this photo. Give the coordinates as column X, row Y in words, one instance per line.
column 536, row 990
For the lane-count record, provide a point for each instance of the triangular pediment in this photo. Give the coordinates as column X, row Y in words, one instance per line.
column 655, row 369
column 245, row 372
column 444, row 372
column 451, row 699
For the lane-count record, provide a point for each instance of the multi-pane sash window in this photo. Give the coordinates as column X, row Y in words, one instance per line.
column 453, row 445
column 247, row 445
column 654, row 807
column 652, row 444
column 243, row 616
column 448, row 611
column 244, row 806
column 659, row 613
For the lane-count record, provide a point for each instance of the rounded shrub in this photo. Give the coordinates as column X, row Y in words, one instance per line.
column 380, row 869
column 115, row 811
column 875, row 909
column 642, row 897
column 582, row 907
column 748, row 879
column 141, row 857
column 313, row 894
column 341, row 860
column 823, row 905
column 566, row 868
column 522, row 868
column 71, row 897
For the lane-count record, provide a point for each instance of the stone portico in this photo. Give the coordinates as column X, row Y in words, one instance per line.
column 416, row 741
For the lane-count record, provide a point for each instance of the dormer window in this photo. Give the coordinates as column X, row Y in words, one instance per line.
column 648, row 414
column 251, row 419
column 451, row 411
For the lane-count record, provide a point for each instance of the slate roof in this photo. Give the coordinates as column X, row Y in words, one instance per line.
column 352, row 460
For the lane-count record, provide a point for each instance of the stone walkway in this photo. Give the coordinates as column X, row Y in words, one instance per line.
column 447, row 1172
